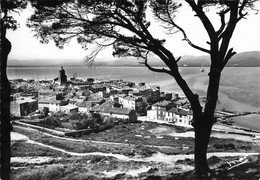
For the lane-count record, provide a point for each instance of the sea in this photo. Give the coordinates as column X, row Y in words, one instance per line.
column 134, row 74
column 239, row 86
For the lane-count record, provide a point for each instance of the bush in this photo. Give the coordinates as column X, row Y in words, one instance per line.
column 46, row 111
column 80, row 176
column 75, row 117
column 229, row 146
column 84, row 124
column 87, row 121
column 43, row 174
column 214, row 160
column 50, row 122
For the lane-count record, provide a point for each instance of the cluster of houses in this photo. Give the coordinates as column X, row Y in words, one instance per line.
column 116, row 98
column 178, row 112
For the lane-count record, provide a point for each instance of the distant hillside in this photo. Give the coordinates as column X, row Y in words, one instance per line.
column 47, row 63
column 245, row 59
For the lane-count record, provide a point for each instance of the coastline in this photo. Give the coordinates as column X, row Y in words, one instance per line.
column 196, row 79
column 251, row 121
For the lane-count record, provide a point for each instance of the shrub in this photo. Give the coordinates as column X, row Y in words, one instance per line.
column 75, row 117
column 80, row 176
column 214, row 160
column 87, row 121
column 53, row 173
column 50, row 122
column 84, row 124
column 43, row 174
column 46, row 111
column 228, row 146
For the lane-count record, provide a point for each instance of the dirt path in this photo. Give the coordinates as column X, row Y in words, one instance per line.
column 89, row 141
column 157, row 157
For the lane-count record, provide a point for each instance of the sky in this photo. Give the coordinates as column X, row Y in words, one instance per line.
column 26, row 47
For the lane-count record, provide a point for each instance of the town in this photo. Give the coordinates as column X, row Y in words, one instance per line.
column 115, row 98
column 111, row 127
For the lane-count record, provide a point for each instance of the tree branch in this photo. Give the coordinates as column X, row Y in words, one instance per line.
column 240, row 11
column 204, row 19
column 222, row 19
column 230, row 53
column 226, row 35
column 178, row 59
column 195, row 46
column 163, row 70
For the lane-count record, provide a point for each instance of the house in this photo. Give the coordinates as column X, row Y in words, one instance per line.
column 96, row 99
column 103, row 94
column 54, row 105
column 179, row 116
column 121, row 113
column 98, row 88
column 158, row 110
column 121, row 98
column 168, row 96
column 126, row 90
column 130, row 102
column 23, row 107
column 69, row 109
column 183, row 104
column 84, row 106
column 114, row 98
column 152, row 94
column 186, row 106
column 46, row 94
column 43, row 103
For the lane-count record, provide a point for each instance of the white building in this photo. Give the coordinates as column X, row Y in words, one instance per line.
column 152, row 114
column 84, row 106
column 179, row 116
column 69, row 108
column 54, row 106
column 174, row 115
column 121, row 113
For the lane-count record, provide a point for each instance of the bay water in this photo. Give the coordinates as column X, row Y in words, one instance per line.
column 239, row 86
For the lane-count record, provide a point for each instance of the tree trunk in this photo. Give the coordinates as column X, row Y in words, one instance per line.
column 202, row 136
column 6, row 127
column 203, row 124
column 202, row 131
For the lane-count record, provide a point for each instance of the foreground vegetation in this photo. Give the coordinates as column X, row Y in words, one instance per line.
column 139, row 136
column 104, row 168
column 139, row 139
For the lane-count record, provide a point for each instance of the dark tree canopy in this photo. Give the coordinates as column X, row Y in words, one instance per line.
column 8, row 7
column 124, row 24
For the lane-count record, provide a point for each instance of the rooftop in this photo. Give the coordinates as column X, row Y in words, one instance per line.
column 113, row 110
